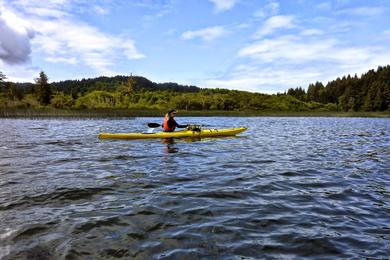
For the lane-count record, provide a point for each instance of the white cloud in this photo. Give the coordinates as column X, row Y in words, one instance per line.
column 275, row 23
column 295, row 49
column 95, row 48
column 270, row 9
column 264, row 79
column 311, row 32
column 11, row 18
column 156, row 9
column 32, row 6
column 59, row 35
column 19, row 73
column 343, row 2
column 274, row 65
column 206, row 34
column 46, row 12
column 362, row 11
column 101, row 10
column 223, row 5
column 324, row 6
column 130, row 50
column 276, row 62
column 71, row 60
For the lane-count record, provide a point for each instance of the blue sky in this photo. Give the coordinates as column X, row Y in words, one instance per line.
column 265, row 46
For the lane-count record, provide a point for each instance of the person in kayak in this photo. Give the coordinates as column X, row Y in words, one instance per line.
column 170, row 124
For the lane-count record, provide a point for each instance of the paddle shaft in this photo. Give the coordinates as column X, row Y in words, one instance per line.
column 153, row 125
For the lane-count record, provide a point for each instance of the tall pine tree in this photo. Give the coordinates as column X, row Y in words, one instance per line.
column 2, row 76
column 42, row 89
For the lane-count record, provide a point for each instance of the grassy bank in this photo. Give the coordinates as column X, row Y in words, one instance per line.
column 125, row 113
column 71, row 113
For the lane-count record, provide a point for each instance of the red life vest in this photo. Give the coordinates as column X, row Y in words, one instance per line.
column 166, row 125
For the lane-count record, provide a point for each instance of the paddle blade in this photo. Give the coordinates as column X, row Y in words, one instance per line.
column 153, row 125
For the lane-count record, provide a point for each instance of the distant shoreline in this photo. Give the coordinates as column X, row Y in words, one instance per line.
column 127, row 113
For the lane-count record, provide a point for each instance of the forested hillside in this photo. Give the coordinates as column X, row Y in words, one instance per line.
column 369, row 92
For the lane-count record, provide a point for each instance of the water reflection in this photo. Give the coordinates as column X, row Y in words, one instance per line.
column 170, row 145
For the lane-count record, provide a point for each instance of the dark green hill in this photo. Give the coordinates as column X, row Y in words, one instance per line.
column 112, row 83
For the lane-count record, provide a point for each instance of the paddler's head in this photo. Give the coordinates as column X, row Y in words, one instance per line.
column 172, row 113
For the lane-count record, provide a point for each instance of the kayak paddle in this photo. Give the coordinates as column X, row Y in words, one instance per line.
column 196, row 128
column 153, row 125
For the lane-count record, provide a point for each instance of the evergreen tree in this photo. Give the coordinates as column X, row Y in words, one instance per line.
column 42, row 89
column 299, row 93
column 127, row 88
column 2, row 76
column 12, row 92
column 313, row 92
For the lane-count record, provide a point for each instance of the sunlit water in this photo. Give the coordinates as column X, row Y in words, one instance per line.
column 285, row 188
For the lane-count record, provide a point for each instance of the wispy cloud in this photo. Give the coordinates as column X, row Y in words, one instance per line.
column 156, row 9
column 298, row 59
column 274, row 23
column 93, row 47
column 20, row 72
column 63, row 38
column 324, row 6
column 264, row 79
column 46, row 12
column 361, row 11
column 270, row 9
column 311, row 32
column 295, row 49
column 54, row 59
column 206, row 34
column 223, row 5
column 101, row 10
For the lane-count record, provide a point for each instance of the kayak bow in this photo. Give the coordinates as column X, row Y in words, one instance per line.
column 177, row 134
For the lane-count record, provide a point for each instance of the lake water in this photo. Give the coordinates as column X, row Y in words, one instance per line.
column 285, row 188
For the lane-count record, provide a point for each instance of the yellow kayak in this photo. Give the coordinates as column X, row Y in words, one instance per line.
column 198, row 133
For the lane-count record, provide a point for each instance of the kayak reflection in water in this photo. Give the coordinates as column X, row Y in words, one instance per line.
column 171, row 148
column 170, row 124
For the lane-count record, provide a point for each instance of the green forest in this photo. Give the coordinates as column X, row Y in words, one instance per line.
column 368, row 92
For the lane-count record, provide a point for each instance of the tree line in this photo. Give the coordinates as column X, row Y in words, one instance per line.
column 370, row 92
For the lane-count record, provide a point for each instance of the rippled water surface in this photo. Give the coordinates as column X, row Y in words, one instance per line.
column 285, row 188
